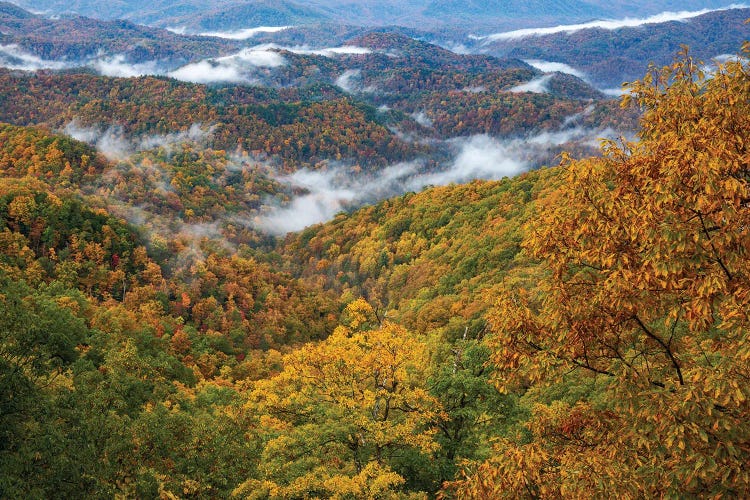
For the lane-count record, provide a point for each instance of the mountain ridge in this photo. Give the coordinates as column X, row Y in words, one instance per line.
column 613, row 56
column 437, row 13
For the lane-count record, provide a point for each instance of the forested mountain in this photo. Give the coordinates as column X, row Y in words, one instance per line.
column 467, row 357
column 79, row 38
column 246, row 266
column 247, row 119
column 601, row 53
column 236, row 14
column 308, row 132
column 381, row 67
column 380, row 99
column 608, row 58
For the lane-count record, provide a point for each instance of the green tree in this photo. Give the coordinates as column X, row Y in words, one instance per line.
column 38, row 344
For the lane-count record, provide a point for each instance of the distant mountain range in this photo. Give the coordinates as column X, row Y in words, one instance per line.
column 604, row 54
column 608, row 57
column 75, row 38
column 462, row 15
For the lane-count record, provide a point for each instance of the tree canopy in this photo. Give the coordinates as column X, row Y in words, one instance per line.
column 645, row 292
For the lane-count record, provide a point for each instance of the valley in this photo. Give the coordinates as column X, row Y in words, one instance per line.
column 374, row 250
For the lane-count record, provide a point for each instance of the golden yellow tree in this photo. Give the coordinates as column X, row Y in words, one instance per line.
column 647, row 291
column 339, row 411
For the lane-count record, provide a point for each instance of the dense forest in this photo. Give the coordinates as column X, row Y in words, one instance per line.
column 578, row 330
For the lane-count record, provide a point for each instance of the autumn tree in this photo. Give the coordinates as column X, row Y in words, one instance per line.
column 340, row 410
column 647, row 293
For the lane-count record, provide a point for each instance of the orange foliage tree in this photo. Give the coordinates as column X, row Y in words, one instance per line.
column 647, row 292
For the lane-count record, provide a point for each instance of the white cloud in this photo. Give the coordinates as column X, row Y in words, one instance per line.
column 351, row 81
column 614, row 92
column 305, row 50
column 477, row 157
column 14, row 57
column 113, row 144
column 485, row 157
column 558, row 137
column 722, row 60
column 330, row 192
column 325, row 198
column 262, row 58
column 573, row 119
column 208, row 72
column 537, row 85
column 609, row 24
column 243, row 34
column 475, row 90
column 240, row 67
column 336, row 51
column 725, row 58
column 196, row 134
column 551, row 67
column 421, row 118
column 456, row 48
column 179, row 30
column 236, row 68
column 81, row 133
column 110, row 142
column 348, row 80
column 118, row 67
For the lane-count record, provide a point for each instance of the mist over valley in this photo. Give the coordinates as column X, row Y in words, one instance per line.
column 424, row 249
